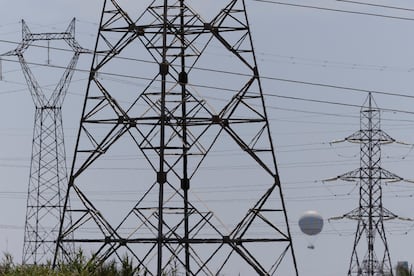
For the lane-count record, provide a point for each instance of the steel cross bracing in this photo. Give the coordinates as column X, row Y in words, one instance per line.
column 176, row 116
column 48, row 174
column 370, row 257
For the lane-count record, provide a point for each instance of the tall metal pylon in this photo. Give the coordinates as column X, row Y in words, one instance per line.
column 370, row 257
column 48, row 171
column 155, row 93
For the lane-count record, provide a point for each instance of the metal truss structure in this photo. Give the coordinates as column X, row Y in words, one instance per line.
column 48, row 171
column 168, row 93
column 370, row 258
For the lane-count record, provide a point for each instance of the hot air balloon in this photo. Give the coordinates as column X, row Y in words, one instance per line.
column 311, row 224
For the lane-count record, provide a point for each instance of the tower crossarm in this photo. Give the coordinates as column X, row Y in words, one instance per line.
column 28, row 38
column 359, row 175
column 378, row 136
column 218, row 27
column 57, row 97
column 24, row 44
column 69, row 37
column 36, row 92
column 62, row 87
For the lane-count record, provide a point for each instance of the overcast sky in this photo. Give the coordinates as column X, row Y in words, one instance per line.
column 299, row 44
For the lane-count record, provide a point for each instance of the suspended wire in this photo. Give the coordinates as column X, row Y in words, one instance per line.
column 311, row 198
column 341, row 87
column 323, row 63
column 355, row 89
column 341, row 115
column 331, row 86
column 335, row 10
column 287, row 165
column 245, row 195
column 333, row 103
column 297, row 185
column 338, row 232
column 291, row 60
column 344, row 232
column 376, row 5
column 235, row 195
column 216, row 168
column 45, row 87
column 266, row 94
column 270, row 78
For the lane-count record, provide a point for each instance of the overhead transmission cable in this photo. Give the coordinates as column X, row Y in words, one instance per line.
column 230, row 73
column 355, row 89
column 267, row 94
column 376, row 5
column 292, row 60
column 325, row 63
column 335, row 10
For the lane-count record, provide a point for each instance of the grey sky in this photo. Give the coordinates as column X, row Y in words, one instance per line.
column 365, row 52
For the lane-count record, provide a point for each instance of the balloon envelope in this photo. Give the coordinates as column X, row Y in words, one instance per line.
column 311, row 223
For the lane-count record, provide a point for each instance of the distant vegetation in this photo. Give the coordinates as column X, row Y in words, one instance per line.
column 78, row 267
column 404, row 272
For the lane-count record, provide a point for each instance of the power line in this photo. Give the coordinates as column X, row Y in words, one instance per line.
column 326, row 85
column 292, row 60
column 287, row 165
column 376, row 5
column 355, row 89
column 222, row 72
column 333, row 103
column 326, row 63
column 47, row 87
column 335, row 10
column 266, row 94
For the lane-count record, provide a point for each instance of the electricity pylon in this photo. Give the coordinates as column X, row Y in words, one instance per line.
column 175, row 111
column 370, row 257
column 48, row 171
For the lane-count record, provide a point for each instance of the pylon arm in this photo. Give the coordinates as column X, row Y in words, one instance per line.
column 39, row 98
column 62, row 87
column 405, row 219
column 357, row 213
column 389, row 177
column 352, row 139
column 357, row 175
column 336, row 218
column 388, row 215
column 9, row 53
column 337, row 141
column 28, row 38
column 72, row 42
column 331, row 179
column 353, row 215
column 360, row 137
column 403, row 143
column 351, row 176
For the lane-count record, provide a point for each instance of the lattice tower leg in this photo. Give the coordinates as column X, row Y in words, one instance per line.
column 174, row 122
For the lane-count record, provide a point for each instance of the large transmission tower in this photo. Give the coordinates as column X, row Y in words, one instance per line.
column 370, row 257
column 174, row 89
column 48, row 171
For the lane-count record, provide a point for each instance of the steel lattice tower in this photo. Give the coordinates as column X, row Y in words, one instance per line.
column 48, row 171
column 174, row 119
column 370, row 257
